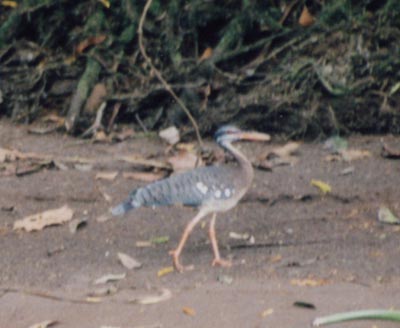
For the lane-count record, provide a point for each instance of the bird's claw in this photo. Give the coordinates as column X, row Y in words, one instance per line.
column 222, row 263
column 177, row 264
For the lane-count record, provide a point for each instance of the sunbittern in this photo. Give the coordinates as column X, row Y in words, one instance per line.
column 211, row 189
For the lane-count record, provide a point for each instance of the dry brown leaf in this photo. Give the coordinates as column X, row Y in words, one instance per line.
column 91, row 299
column 101, row 137
column 44, row 324
column 349, row 155
column 47, row 218
column 387, row 152
column 165, row 271
column 306, row 19
column 267, row 312
column 110, row 277
column 123, row 135
column 153, row 299
column 189, row 311
column 144, row 176
column 90, row 41
column 170, row 135
column 286, row 150
column 110, row 176
column 8, row 155
column 275, row 258
column 98, row 95
column 184, row 161
column 207, row 53
column 283, row 155
column 308, row 282
column 128, row 262
column 144, row 243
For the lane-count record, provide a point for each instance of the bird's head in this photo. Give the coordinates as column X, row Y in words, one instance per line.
column 231, row 133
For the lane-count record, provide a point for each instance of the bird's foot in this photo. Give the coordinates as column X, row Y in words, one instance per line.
column 221, row 262
column 177, row 264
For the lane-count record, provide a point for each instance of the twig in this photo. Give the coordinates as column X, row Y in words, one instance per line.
column 160, row 77
column 97, row 122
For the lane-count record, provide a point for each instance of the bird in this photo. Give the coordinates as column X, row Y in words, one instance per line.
column 210, row 189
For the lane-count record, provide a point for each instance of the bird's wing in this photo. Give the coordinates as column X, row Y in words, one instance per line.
column 193, row 188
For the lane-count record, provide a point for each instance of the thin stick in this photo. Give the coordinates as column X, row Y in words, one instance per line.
column 160, row 77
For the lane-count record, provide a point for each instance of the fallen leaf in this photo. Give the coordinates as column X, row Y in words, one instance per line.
column 126, row 133
column 48, row 218
column 159, row 240
column 286, row 150
column 165, row 271
column 207, row 53
column 129, row 262
column 349, row 155
column 239, row 236
column 144, row 176
column 110, row 277
column 283, row 155
column 76, row 224
column 170, row 135
column 347, row 170
column 101, row 137
column 306, row 19
column 44, row 324
column 184, row 161
column 189, row 311
column 90, row 41
column 386, row 216
column 267, row 312
column 387, row 152
column 143, row 243
column 322, row 186
column 308, row 282
column 93, row 299
column 8, row 155
column 153, row 299
column 110, row 176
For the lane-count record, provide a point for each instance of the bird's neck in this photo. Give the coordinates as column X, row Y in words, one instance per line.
column 244, row 164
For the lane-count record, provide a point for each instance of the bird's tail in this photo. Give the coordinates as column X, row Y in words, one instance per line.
column 126, row 206
column 122, row 208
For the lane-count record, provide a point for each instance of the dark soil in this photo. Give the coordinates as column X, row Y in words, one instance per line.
column 335, row 241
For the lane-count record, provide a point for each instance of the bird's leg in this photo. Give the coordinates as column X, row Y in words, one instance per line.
column 213, row 238
column 177, row 252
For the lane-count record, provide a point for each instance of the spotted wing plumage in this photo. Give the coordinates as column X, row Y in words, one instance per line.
column 194, row 188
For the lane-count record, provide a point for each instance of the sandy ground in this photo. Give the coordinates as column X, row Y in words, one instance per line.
column 333, row 242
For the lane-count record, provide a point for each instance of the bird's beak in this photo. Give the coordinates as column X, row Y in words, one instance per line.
column 254, row 136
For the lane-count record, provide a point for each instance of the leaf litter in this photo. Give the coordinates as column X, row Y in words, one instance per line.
column 44, row 324
column 128, row 262
column 385, row 215
column 44, row 219
column 110, row 277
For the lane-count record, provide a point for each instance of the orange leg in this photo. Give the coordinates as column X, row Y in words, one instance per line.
column 177, row 252
column 213, row 238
